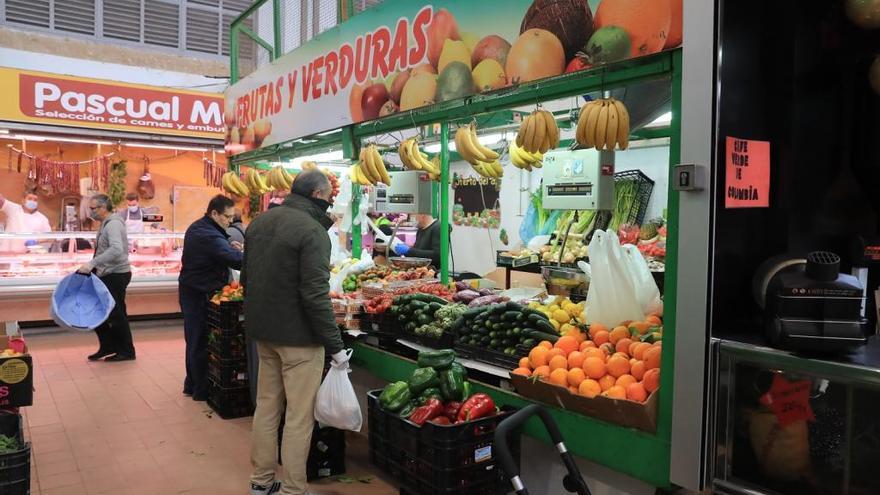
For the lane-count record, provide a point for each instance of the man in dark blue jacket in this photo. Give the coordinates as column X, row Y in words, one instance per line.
column 207, row 257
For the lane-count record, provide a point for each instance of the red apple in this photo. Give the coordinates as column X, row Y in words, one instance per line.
column 397, row 85
column 443, row 27
column 374, row 97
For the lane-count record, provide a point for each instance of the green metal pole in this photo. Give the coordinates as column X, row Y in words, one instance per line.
column 444, row 202
column 233, row 53
column 276, row 23
column 435, row 199
column 350, row 151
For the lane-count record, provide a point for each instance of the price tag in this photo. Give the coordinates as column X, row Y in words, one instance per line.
column 789, row 401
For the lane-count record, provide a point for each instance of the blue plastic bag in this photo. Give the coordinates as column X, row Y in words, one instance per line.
column 527, row 227
column 81, row 302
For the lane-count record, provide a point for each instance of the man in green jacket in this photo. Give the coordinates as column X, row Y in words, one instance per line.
column 286, row 274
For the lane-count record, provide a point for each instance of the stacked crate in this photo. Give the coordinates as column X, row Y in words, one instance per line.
column 228, row 392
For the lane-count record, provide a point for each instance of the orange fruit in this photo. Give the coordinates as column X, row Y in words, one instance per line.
column 637, row 369
column 617, row 366
column 522, row 371
column 538, row 357
column 646, row 23
column 573, row 390
column 589, row 388
column 621, row 354
column 640, row 327
column 543, row 372
column 555, row 352
column 606, row 382
column 636, row 391
column 594, row 367
column 595, row 328
column 576, row 359
column 536, row 54
column 607, row 348
column 567, row 344
column 652, row 357
column 601, row 337
column 576, row 376
column 615, row 392
column 654, row 320
column 625, row 380
column 638, row 350
column 525, row 363
column 559, row 377
column 587, row 344
column 623, row 345
column 595, row 352
column 617, row 334
column 546, row 344
column 674, row 35
column 651, row 381
column 558, row 362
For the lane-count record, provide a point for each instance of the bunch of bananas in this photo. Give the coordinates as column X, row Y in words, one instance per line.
column 233, row 185
column 483, row 159
column 538, row 132
column 370, row 170
column 523, row 159
column 309, row 165
column 279, row 179
column 255, row 182
column 413, row 158
column 603, row 124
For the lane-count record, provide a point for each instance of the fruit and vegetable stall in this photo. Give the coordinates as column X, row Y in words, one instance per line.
column 493, row 93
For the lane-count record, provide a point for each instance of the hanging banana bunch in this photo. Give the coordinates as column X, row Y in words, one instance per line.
column 522, row 159
column 603, row 124
column 370, row 169
column 256, row 183
column 309, row 165
column 538, row 132
column 414, row 159
column 484, row 160
column 279, row 179
column 233, row 185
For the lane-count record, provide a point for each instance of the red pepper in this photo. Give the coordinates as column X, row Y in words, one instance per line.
column 451, row 410
column 429, row 411
column 477, row 406
column 441, row 420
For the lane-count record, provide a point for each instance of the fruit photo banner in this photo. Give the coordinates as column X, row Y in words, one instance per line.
column 405, row 54
column 475, row 201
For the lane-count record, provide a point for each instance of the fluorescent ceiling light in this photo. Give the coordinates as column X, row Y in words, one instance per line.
column 320, row 157
column 4, row 131
column 166, row 146
column 435, row 147
column 40, row 139
column 661, row 121
column 334, row 131
column 487, row 140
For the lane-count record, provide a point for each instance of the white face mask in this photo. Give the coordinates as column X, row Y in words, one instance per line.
column 30, row 204
column 134, row 209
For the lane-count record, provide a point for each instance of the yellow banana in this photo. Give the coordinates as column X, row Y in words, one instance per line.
column 286, row 177
column 552, row 129
column 369, row 167
column 545, row 144
column 404, row 156
column 497, row 168
column 421, row 160
column 460, row 146
column 601, row 126
column 580, row 134
column 592, row 120
column 521, row 133
column 413, row 155
column 362, row 177
column 540, row 131
column 470, row 148
column 380, row 166
column 622, row 125
column 611, row 131
column 515, row 158
column 241, row 188
column 489, row 153
column 224, row 182
column 528, row 133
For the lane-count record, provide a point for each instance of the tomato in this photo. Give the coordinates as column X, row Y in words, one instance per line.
column 576, row 64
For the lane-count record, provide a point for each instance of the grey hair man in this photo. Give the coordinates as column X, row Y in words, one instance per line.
column 286, row 273
column 110, row 264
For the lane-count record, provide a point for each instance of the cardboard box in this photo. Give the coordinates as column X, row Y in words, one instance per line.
column 620, row 412
column 16, row 381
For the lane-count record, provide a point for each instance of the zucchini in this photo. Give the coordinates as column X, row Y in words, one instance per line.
column 510, row 315
column 529, row 312
column 535, row 318
column 537, row 335
column 429, row 298
column 512, row 306
column 529, row 342
column 416, row 304
column 545, row 326
column 473, row 312
column 434, row 307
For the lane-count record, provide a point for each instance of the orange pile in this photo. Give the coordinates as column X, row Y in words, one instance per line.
column 612, row 363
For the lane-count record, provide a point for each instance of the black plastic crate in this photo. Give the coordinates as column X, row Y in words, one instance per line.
column 228, row 373
column 225, row 316
column 326, row 454
column 490, row 356
column 230, row 403
column 15, row 467
column 643, row 188
column 424, row 478
column 227, row 344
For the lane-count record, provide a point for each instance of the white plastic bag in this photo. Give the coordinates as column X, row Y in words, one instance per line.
column 611, row 298
column 536, row 243
column 644, row 284
column 337, row 405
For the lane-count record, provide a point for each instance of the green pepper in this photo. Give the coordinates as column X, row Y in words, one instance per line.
column 452, row 384
column 466, row 390
column 395, row 396
column 457, row 366
column 439, row 360
column 429, row 393
column 407, row 410
column 423, row 378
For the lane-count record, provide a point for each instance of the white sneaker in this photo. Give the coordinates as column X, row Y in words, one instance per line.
column 275, row 487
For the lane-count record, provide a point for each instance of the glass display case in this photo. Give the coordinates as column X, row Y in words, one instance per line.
column 792, row 424
column 31, row 265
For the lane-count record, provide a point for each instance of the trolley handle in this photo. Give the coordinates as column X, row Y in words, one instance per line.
column 573, row 481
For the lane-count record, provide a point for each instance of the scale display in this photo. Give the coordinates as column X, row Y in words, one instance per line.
column 410, row 192
column 578, row 180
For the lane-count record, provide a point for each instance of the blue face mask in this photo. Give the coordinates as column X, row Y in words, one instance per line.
column 30, row 204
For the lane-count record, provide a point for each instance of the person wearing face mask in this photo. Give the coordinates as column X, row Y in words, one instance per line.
column 22, row 218
column 286, row 278
column 427, row 243
column 133, row 215
column 207, row 257
column 110, row 263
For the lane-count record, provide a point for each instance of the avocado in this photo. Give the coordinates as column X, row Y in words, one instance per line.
column 454, row 82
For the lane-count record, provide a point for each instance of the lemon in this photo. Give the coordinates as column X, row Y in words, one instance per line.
column 454, row 51
column 489, row 75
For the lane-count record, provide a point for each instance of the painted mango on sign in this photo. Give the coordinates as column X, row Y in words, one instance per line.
column 402, row 55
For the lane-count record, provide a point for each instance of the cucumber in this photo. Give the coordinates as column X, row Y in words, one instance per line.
column 534, row 318
column 529, row 342
column 512, row 306
column 537, row 335
column 415, row 304
column 545, row 326
column 529, row 312
column 434, row 307
column 429, row 298
column 473, row 312
column 510, row 315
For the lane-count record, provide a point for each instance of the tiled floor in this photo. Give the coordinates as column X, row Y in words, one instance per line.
column 125, row 428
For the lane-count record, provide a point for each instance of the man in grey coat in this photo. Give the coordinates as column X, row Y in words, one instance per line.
column 111, row 265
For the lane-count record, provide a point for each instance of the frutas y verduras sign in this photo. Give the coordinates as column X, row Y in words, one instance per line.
column 404, row 54
column 74, row 101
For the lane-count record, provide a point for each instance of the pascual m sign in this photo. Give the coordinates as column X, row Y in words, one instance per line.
column 73, row 101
